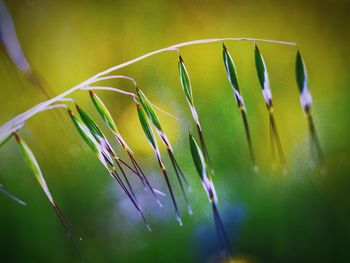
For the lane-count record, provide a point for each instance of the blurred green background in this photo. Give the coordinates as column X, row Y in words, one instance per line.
column 301, row 216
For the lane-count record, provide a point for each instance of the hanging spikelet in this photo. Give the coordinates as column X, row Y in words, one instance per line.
column 186, row 86
column 147, row 106
column 35, row 169
column 152, row 141
column 306, row 103
column 208, row 185
column 266, row 91
column 232, row 77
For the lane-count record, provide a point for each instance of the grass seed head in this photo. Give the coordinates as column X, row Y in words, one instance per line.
column 146, row 127
column 230, row 68
column 33, row 165
column 103, row 111
column 263, row 76
column 302, row 81
column 197, row 156
column 185, row 81
column 84, row 131
column 146, row 105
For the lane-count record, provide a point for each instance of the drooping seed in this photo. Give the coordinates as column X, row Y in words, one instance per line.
column 230, row 68
column 263, row 76
column 185, row 81
column 266, row 91
column 204, row 173
column 302, row 81
column 148, row 109
column 103, row 111
column 84, row 132
column 34, row 166
column 147, row 128
column 306, row 103
column 35, row 169
column 232, row 77
column 152, row 141
column 147, row 106
column 186, row 86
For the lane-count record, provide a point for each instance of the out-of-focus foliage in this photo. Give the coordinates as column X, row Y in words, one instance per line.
column 298, row 217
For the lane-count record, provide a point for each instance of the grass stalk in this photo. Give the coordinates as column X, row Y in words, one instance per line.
column 314, row 136
column 272, row 147
column 249, row 139
column 277, row 139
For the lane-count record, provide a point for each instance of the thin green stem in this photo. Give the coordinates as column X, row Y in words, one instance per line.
column 166, row 177
column 272, row 145
column 277, row 139
column 314, row 137
column 249, row 139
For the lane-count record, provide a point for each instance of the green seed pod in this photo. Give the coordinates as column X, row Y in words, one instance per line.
column 34, row 166
column 302, row 79
column 103, row 111
column 185, row 81
column 146, row 105
column 146, row 127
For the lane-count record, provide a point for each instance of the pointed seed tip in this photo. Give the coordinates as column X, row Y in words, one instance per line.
column 190, row 134
column 17, row 137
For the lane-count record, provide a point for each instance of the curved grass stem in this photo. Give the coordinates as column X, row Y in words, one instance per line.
column 6, row 128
